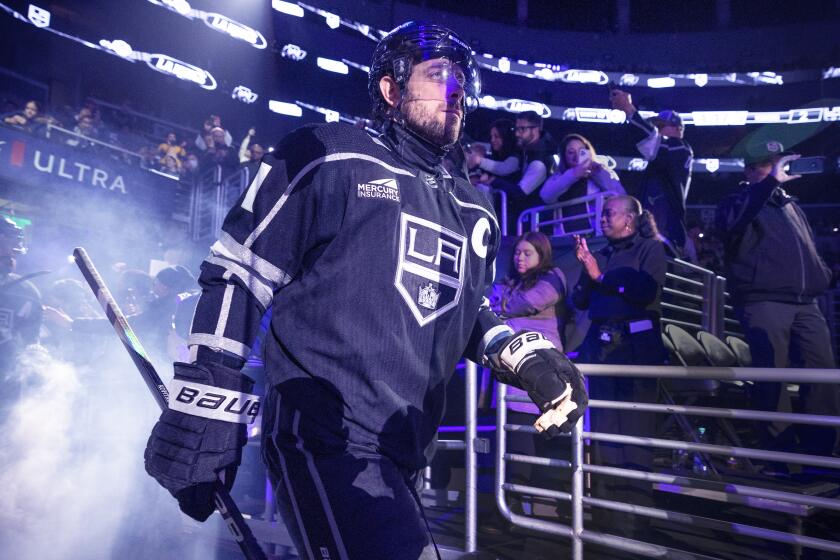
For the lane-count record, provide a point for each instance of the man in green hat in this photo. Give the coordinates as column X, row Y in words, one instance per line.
column 775, row 274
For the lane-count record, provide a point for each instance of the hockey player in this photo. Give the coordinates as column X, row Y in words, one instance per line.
column 375, row 261
column 20, row 310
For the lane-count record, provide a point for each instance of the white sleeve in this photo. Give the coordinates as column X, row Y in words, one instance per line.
column 555, row 186
column 500, row 168
column 533, row 177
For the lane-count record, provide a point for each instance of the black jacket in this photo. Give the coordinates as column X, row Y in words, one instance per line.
column 634, row 273
column 770, row 251
column 666, row 179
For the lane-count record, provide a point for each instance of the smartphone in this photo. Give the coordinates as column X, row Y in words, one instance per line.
column 584, row 156
column 806, row 165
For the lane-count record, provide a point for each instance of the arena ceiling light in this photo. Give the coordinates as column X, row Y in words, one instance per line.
column 330, row 115
column 216, row 22
column 244, row 94
column 161, row 63
column 614, row 116
column 331, row 65
column 288, row 8
column 293, row 52
column 663, row 82
column 284, row 108
column 564, row 73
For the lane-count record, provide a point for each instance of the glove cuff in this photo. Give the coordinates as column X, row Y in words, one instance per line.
column 213, row 391
column 520, row 347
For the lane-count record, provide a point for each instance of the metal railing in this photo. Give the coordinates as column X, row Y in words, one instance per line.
column 694, row 297
column 830, row 305
column 550, row 215
column 502, row 205
column 745, row 494
column 75, row 139
column 471, row 445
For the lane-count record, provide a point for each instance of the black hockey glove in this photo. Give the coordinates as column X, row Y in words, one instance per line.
column 552, row 381
column 201, row 434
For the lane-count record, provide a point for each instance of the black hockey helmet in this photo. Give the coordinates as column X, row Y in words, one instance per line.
column 12, row 234
column 413, row 42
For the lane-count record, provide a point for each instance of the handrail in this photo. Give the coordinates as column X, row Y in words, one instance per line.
column 83, row 138
column 753, row 496
column 796, row 375
column 531, row 215
column 503, row 205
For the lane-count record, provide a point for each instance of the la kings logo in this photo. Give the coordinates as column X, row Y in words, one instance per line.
column 430, row 267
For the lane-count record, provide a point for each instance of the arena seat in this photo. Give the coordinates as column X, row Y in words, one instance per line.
column 741, row 350
column 690, row 353
column 717, row 352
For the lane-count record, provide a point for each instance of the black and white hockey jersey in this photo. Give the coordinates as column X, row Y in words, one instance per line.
column 376, row 262
column 666, row 179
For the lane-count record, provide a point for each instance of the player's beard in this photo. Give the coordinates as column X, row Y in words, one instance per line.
column 441, row 129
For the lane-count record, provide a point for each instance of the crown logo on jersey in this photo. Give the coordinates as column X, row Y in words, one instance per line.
column 428, row 296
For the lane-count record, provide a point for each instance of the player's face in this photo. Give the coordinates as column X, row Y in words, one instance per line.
column 525, row 257
column 31, row 110
column 576, row 153
column 433, row 102
column 615, row 220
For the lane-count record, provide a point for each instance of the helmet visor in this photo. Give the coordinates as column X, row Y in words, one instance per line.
column 451, row 68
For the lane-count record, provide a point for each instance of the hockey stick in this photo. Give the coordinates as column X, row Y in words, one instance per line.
column 224, row 503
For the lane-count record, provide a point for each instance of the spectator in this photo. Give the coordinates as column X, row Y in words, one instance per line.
column 72, row 298
column 85, row 128
column 531, row 298
column 578, row 175
column 152, row 321
column 217, row 153
column 537, row 160
column 90, row 109
column 774, row 274
column 667, row 178
column 25, row 119
column 171, row 147
column 190, row 167
column 170, row 165
column 214, row 121
column 621, row 287
column 502, row 161
column 248, row 152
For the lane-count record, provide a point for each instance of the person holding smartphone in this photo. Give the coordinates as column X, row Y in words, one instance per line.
column 775, row 274
column 667, row 177
column 578, row 174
